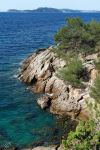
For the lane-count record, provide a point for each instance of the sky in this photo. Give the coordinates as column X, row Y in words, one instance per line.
column 33, row 4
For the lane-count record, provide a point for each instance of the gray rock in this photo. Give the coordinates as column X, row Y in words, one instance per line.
column 44, row 102
column 91, row 57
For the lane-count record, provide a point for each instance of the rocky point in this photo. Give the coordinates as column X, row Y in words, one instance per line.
column 39, row 71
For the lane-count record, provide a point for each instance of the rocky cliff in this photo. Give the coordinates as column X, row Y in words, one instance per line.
column 39, row 72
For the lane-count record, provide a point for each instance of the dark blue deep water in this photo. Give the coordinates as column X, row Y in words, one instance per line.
column 22, row 122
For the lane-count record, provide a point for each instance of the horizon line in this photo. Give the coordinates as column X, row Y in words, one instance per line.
column 48, row 7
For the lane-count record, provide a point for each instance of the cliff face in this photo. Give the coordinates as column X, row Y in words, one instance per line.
column 39, row 72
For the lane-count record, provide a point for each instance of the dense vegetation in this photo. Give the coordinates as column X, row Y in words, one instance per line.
column 97, row 64
column 86, row 137
column 95, row 90
column 76, row 38
column 72, row 73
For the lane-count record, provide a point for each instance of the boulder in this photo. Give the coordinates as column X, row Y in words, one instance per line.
column 91, row 57
column 44, row 102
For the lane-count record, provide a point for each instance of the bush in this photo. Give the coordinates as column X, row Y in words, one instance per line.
column 97, row 65
column 95, row 90
column 67, row 56
column 72, row 73
column 86, row 137
column 77, row 36
column 60, row 53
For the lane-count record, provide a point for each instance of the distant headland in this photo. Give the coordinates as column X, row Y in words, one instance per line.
column 52, row 10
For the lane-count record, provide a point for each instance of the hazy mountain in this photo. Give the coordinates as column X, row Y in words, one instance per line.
column 38, row 10
column 47, row 10
column 52, row 10
column 14, row 10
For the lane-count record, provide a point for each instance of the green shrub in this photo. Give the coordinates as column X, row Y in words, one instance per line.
column 95, row 90
column 77, row 36
column 86, row 137
column 67, row 56
column 60, row 54
column 97, row 65
column 72, row 72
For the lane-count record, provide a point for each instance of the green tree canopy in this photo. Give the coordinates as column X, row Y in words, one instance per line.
column 77, row 36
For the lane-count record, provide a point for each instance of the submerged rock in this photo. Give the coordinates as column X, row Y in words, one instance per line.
column 39, row 72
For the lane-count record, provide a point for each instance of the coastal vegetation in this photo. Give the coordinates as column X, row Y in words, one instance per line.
column 72, row 73
column 85, row 137
column 74, row 39
column 77, row 36
column 87, row 133
column 95, row 90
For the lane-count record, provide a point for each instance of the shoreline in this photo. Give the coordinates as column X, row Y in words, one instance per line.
column 39, row 72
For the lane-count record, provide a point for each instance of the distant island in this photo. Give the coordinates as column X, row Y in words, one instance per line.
column 51, row 10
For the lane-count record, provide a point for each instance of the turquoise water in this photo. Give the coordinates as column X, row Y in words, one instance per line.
column 22, row 122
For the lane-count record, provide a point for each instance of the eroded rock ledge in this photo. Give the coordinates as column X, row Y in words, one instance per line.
column 39, row 72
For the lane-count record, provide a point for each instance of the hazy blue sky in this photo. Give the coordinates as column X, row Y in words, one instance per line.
column 32, row 4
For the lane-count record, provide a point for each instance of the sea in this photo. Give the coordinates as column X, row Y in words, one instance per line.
column 22, row 122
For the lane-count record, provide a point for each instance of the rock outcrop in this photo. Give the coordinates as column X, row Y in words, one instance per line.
column 39, row 72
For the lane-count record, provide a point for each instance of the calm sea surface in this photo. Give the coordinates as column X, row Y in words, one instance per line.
column 22, row 122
